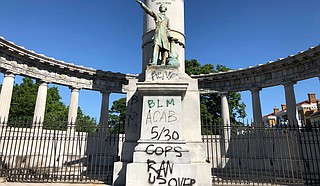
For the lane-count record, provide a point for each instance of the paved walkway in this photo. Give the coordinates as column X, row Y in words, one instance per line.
column 99, row 184
column 49, row 184
column 5, row 183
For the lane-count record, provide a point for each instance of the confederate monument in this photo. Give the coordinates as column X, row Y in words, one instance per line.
column 162, row 33
column 163, row 143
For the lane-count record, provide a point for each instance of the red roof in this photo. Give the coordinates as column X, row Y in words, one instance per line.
column 271, row 114
column 303, row 102
column 298, row 104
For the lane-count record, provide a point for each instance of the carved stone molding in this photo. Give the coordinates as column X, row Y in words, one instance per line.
column 17, row 60
column 301, row 66
column 27, row 63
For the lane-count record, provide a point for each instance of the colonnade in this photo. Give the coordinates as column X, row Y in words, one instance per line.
column 256, row 105
column 290, row 104
column 40, row 105
column 39, row 112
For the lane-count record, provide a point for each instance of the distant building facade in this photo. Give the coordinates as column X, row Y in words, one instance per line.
column 307, row 113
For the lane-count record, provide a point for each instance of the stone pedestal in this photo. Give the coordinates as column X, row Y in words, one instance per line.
column 163, row 138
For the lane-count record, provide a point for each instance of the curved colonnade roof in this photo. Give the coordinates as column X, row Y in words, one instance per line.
column 18, row 60
column 301, row 66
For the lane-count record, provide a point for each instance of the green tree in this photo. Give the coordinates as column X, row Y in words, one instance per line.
column 85, row 123
column 117, row 116
column 210, row 104
column 195, row 68
column 55, row 109
column 23, row 100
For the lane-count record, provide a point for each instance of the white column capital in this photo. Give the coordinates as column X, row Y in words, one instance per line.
column 40, row 81
column 288, row 83
column 9, row 74
column 75, row 89
column 105, row 92
column 255, row 89
column 223, row 94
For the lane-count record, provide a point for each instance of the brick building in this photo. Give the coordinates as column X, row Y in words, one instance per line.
column 307, row 113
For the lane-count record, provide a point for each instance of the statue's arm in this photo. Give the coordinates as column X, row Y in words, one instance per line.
column 146, row 9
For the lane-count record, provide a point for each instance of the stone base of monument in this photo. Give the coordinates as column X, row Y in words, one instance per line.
column 119, row 174
column 166, row 173
column 163, row 135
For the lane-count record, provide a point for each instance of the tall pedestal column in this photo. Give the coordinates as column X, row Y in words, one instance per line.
column 163, row 144
column 5, row 97
column 256, row 107
column 40, row 107
column 291, row 103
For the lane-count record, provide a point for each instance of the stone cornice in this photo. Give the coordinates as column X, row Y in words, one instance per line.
column 21, row 51
column 303, row 65
column 19, row 60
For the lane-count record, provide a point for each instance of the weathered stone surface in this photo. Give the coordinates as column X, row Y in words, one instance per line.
column 164, row 136
column 161, row 73
column 163, row 173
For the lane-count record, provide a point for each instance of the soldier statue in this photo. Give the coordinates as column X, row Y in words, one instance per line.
column 162, row 33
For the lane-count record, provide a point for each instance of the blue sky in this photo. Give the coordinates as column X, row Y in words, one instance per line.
column 105, row 34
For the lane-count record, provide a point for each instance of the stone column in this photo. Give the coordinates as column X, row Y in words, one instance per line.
column 73, row 106
column 5, row 96
column 104, row 112
column 40, row 107
column 291, row 103
column 257, row 119
column 226, row 126
column 103, row 149
column 225, row 109
column 72, row 146
column 256, row 107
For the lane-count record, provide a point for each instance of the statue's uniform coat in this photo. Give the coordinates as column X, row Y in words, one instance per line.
column 162, row 31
